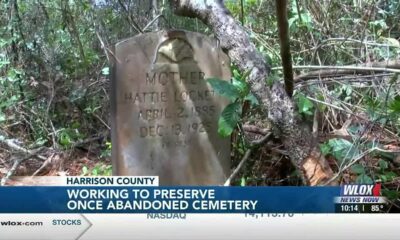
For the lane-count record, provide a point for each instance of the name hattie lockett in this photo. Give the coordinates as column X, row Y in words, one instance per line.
column 189, row 79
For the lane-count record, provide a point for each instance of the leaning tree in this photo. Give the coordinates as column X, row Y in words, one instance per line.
column 277, row 105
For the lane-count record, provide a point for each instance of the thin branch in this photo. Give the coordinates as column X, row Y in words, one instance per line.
column 102, row 121
column 349, row 165
column 355, row 68
column 74, row 32
column 355, row 160
column 314, row 79
column 17, row 162
column 245, row 157
column 255, row 129
column 315, row 123
column 261, row 140
column 11, row 171
column 11, row 144
column 103, row 46
column 130, row 19
column 89, row 140
column 241, row 12
column 298, row 11
column 359, row 41
column 44, row 165
column 330, row 105
column 237, row 169
column 339, row 71
column 154, row 20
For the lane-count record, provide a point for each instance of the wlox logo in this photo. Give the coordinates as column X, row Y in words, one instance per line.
column 361, row 190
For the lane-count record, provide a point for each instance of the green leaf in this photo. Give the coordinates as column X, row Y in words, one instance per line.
column 383, row 164
column 3, row 63
column 253, row 100
column 390, row 176
column 77, row 94
column 306, row 18
column 325, row 148
column 76, row 125
column 65, row 139
column 395, row 105
column 291, row 21
column 342, row 149
column 243, row 181
column 224, row 88
column 383, row 178
column 304, row 104
column 236, row 73
column 2, row 117
column 391, row 194
column 321, row 107
column 240, row 86
column 84, row 170
column 393, row 42
column 364, row 179
column 246, row 74
column 40, row 141
column 358, row 169
column 229, row 118
column 272, row 79
column 105, row 71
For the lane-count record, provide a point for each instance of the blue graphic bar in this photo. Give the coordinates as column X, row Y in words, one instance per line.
column 168, row 199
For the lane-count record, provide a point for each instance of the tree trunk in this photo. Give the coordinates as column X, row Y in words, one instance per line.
column 279, row 108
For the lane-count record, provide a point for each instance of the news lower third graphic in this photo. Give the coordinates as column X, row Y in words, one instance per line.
column 361, row 198
column 134, row 194
column 162, row 200
column 142, row 194
column 62, row 210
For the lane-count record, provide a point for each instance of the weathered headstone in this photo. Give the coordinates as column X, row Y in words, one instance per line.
column 164, row 113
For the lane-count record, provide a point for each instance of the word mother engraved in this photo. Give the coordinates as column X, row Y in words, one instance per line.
column 164, row 114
